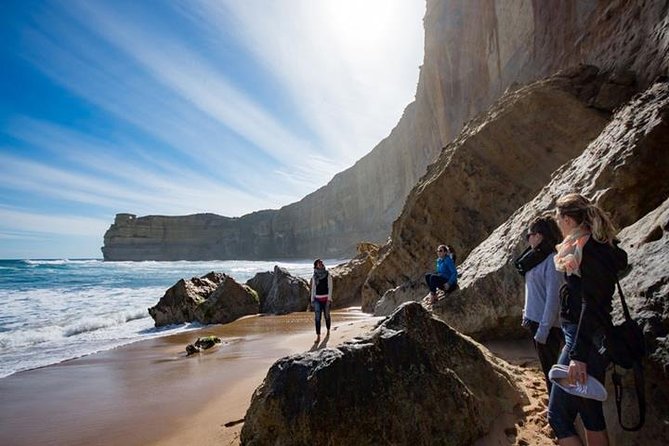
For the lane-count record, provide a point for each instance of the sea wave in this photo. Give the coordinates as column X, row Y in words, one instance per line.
column 24, row 338
column 61, row 261
column 90, row 324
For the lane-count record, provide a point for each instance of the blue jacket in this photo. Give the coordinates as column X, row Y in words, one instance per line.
column 446, row 269
column 542, row 297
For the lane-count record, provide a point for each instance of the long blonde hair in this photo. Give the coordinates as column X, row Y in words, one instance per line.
column 591, row 216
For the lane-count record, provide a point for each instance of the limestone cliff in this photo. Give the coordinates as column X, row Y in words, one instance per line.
column 474, row 50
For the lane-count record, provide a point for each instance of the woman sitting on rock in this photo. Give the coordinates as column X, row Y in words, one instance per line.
column 446, row 275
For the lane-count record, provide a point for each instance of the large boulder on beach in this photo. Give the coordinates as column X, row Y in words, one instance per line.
column 412, row 380
column 214, row 298
column 280, row 292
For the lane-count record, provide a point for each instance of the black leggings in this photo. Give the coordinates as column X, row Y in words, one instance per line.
column 435, row 281
column 548, row 353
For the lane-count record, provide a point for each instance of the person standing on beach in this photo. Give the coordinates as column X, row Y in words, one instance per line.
column 446, row 275
column 542, row 291
column 321, row 296
column 590, row 261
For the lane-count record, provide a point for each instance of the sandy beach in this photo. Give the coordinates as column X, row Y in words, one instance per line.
column 150, row 392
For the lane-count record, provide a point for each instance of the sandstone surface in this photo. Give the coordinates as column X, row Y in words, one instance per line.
column 646, row 289
column 348, row 278
column 413, row 380
column 624, row 169
column 214, row 298
column 500, row 161
column 280, row 292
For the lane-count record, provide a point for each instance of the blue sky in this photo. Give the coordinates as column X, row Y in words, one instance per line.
column 186, row 106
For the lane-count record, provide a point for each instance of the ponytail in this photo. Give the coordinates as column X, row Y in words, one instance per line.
column 585, row 213
column 600, row 224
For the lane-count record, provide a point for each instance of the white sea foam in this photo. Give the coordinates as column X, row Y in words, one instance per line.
column 54, row 310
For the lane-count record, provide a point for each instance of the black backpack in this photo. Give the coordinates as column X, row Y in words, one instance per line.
column 624, row 344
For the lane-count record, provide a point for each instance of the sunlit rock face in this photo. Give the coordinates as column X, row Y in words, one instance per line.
column 624, row 169
column 500, row 161
column 214, row 298
column 413, row 380
column 348, row 278
column 474, row 50
column 646, row 289
column 279, row 292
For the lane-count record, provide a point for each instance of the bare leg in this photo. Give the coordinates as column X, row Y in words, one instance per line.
column 597, row 438
column 570, row 441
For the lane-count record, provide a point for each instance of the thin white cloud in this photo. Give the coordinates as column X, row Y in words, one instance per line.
column 47, row 223
column 128, row 97
column 187, row 73
column 177, row 109
column 143, row 194
column 351, row 66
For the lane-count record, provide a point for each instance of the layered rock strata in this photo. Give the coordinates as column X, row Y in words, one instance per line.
column 413, row 380
column 348, row 278
column 500, row 161
column 474, row 50
column 624, row 169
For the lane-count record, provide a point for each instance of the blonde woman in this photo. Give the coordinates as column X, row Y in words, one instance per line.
column 589, row 261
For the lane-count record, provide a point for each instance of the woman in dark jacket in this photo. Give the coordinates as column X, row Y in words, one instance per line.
column 590, row 261
column 321, row 296
column 542, row 286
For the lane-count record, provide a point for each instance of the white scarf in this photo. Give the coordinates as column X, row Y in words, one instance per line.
column 570, row 252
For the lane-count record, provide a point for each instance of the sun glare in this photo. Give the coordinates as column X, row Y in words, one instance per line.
column 362, row 25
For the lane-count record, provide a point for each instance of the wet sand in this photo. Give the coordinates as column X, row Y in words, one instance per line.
column 150, row 392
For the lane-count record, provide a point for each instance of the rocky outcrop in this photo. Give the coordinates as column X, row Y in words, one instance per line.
column 202, row 343
column 394, row 297
column 280, row 292
column 624, row 169
column 646, row 289
column 348, row 278
column 214, row 298
column 499, row 161
column 474, row 51
column 397, row 385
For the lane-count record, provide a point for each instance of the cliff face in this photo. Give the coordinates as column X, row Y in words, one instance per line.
column 474, row 50
column 499, row 162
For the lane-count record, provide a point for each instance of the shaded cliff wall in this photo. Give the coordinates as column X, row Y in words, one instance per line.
column 474, row 50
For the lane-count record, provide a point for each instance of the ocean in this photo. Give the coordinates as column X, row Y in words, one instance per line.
column 55, row 310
